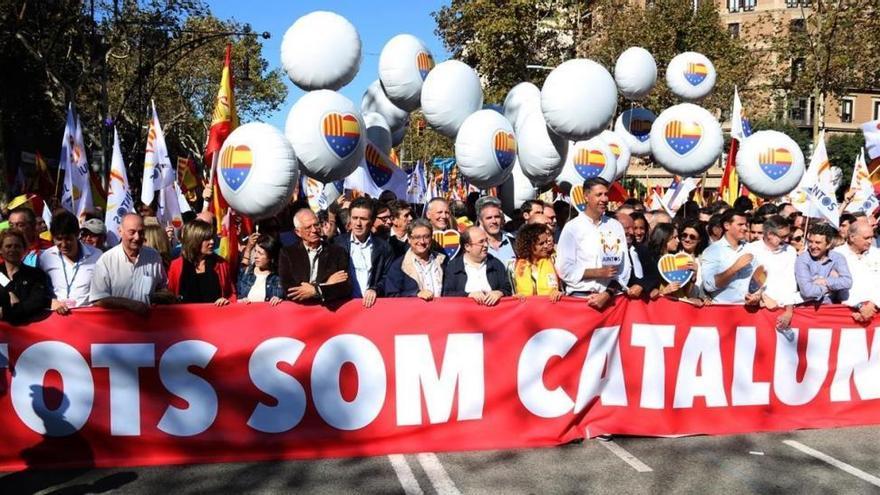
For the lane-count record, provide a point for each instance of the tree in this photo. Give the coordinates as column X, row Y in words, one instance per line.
column 111, row 61
column 842, row 152
column 829, row 51
column 424, row 143
column 499, row 38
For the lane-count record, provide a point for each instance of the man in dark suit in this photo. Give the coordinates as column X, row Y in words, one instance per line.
column 369, row 255
column 313, row 271
column 475, row 273
column 642, row 279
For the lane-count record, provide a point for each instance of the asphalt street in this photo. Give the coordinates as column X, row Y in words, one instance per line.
column 803, row 462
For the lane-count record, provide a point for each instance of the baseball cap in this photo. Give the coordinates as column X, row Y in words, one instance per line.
column 94, row 225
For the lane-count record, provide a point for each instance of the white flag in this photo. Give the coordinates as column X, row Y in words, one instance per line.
column 677, row 194
column 417, row 186
column 65, row 161
column 814, row 195
column 119, row 200
column 377, row 173
column 76, row 196
column 861, row 190
column 871, row 130
column 158, row 173
column 740, row 127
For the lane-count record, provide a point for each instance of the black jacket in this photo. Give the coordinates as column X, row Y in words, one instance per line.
column 455, row 277
column 650, row 278
column 31, row 286
column 293, row 268
column 380, row 261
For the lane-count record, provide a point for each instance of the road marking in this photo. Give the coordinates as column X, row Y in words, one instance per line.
column 405, row 475
column 439, row 478
column 858, row 473
column 626, row 456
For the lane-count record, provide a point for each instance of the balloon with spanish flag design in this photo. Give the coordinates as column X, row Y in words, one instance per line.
column 257, row 170
column 686, row 139
column 585, row 160
column 770, row 163
column 404, row 64
column 326, row 132
column 691, row 76
column 485, row 149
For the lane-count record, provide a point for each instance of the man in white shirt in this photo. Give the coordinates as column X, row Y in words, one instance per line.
column 69, row 264
column 130, row 276
column 591, row 254
column 778, row 258
column 863, row 260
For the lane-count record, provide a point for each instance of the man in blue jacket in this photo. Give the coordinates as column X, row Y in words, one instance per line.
column 369, row 256
column 475, row 273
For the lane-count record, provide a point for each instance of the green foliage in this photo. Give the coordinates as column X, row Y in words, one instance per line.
column 801, row 136
column 499, row 38
column 843, row 149
column 424, row 146
column 111, row 64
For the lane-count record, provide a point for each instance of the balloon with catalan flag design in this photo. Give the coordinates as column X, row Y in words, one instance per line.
column 770, row 164
column 485, row 149
column 404, row 64
column 587, row 159
column 380, row 172
column 691, row 76
column 634, row 127
column 621, row 152
column 449, row 241
column 326, row 132
column 257, row 170
column 674, row 268
column 686, row 139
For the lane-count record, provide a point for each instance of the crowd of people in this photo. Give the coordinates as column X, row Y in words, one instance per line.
column 768, row 256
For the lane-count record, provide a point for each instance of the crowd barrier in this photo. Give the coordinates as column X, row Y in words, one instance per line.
column 196, row 383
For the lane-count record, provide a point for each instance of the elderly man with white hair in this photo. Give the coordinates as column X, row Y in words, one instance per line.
column 313, row 270
column 863, row 260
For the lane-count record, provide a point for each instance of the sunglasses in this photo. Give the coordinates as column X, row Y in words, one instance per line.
column 690, row 237
column 797, row 239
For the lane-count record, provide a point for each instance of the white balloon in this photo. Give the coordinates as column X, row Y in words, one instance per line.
column 257, row 170
column 404, row 64
column 450, row 94
column 522, row 99
column 540, row 151
column 634, row 127
column 686, row 139
column 378, row 131
column 588, row 159
column 516, row 190
column 635, row 73
column 620, row 150
column 374, row 100
column 770, row 163
column 326, row 130
column 579, row 99
column 485, row 149
column 321, row 50
column 397, row 135
column 690, row 75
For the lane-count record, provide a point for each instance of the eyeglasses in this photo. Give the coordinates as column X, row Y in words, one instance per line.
column 797, row 239
column 384, row 218
column 690, row 237
column 421, row 237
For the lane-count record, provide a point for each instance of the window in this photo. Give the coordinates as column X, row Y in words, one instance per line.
column 733, row 29
column 796, row 26
column 797, row 68
column 846, row 110
column 876, row 110
column 741, row 5
column 799, row 110
column 797, row 3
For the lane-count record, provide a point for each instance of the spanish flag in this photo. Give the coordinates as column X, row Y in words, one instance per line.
column 223, row 122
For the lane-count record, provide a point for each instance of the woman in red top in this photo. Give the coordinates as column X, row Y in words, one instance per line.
column 199, row 275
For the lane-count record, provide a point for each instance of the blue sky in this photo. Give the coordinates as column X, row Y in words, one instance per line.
column 376, row 22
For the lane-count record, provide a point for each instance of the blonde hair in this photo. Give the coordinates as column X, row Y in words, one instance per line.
column 156, row 238
column 191, row 238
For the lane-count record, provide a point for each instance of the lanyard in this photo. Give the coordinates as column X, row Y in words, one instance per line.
column 69, row 282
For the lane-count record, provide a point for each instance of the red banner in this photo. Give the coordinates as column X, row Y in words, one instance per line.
column 205, row 384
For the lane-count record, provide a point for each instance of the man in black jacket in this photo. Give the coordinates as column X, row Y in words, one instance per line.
column 641, row 281
column 369, row 255
column 474, row 272
column 312, row 270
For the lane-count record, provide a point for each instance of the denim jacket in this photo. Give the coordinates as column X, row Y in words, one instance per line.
column 247, row 277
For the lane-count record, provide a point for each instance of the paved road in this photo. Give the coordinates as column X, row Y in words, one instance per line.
column 817, row 461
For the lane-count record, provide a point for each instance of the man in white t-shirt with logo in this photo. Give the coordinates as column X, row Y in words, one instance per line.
column 591, row 254
column 773, row 252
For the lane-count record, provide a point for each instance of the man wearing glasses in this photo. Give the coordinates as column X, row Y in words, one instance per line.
column 778, row 258
column 313, row 271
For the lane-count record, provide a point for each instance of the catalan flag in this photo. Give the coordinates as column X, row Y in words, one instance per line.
column 425, row 63
column 674, row 268
column 505, row 148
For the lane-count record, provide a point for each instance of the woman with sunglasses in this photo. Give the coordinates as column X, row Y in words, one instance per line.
column 693, row 240
column 664, row 240
column 797, row 240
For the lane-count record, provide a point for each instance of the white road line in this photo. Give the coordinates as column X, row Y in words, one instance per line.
column 405, row 475
column 439, row 478
column 626, row 456
column 858, row 473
